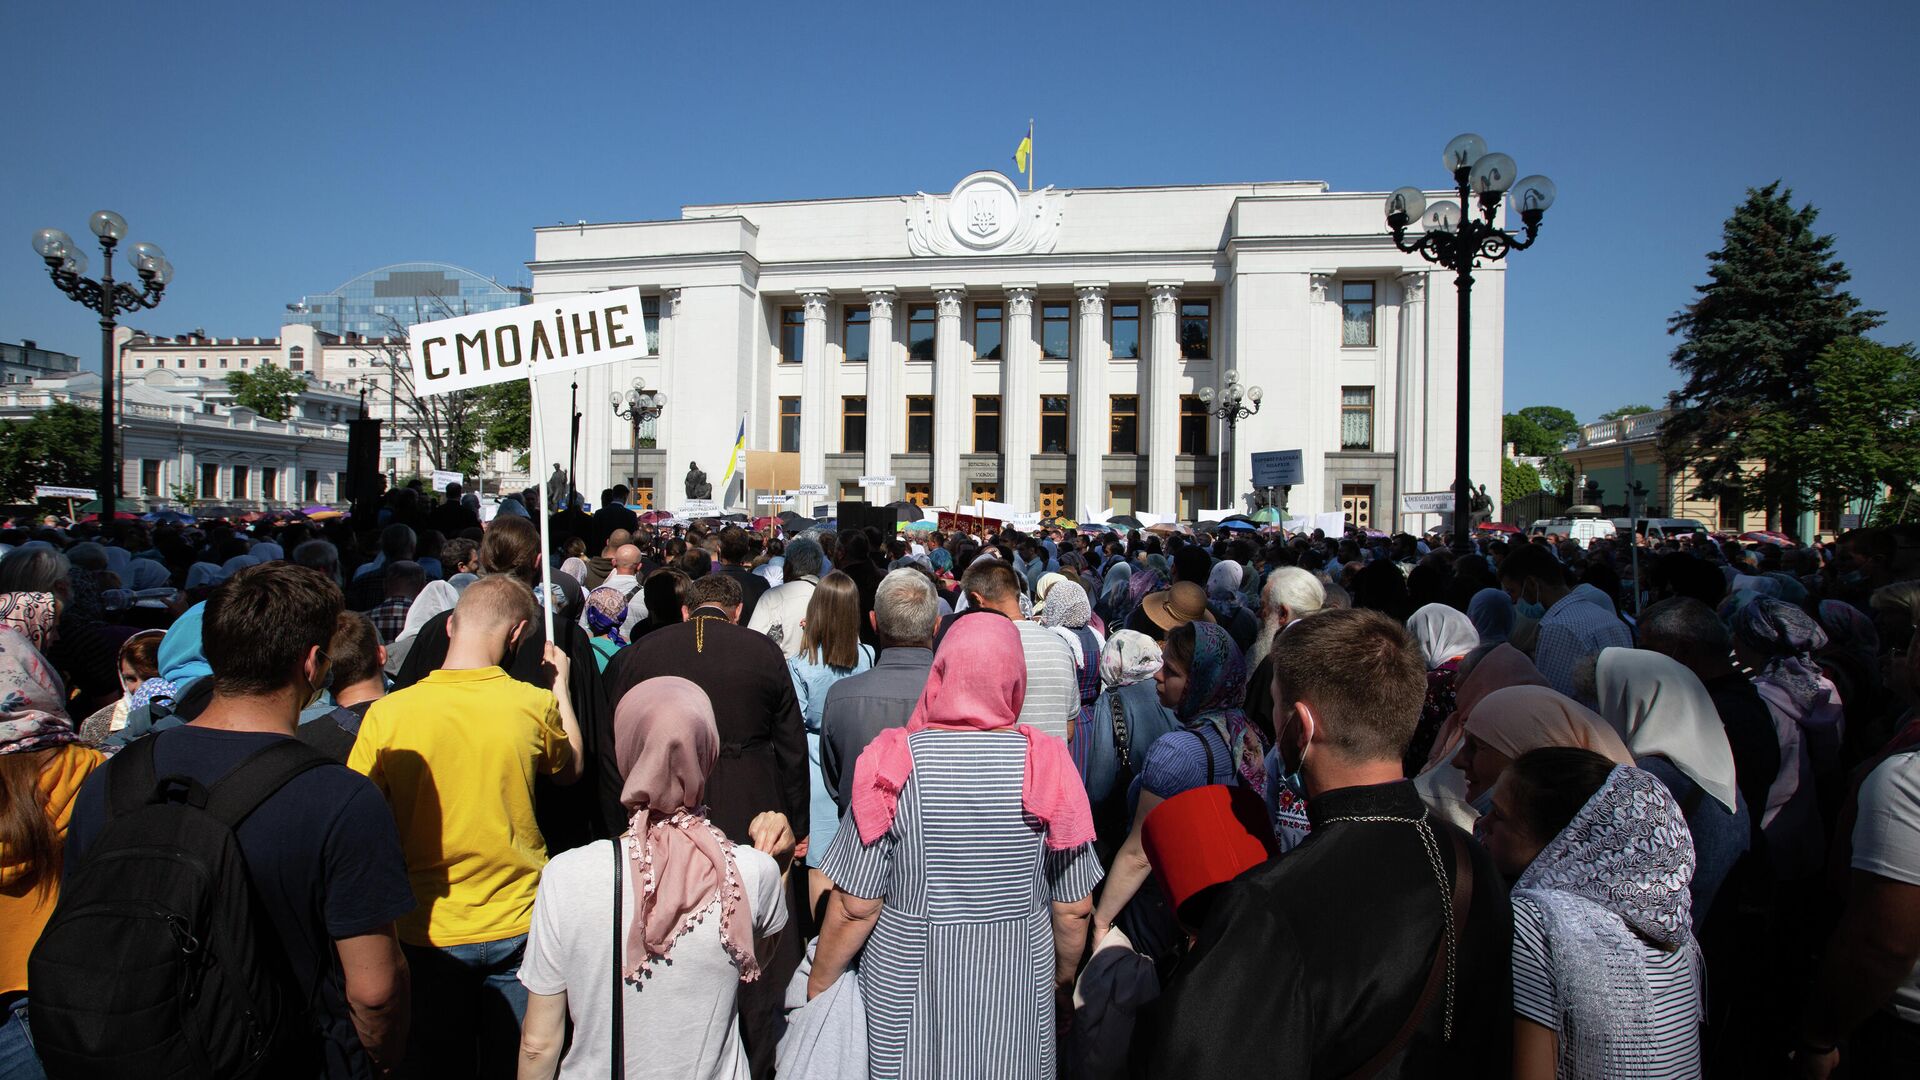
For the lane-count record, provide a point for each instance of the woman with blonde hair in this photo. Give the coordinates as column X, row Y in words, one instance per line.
column 830, row 650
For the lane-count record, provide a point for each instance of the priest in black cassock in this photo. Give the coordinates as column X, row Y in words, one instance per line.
column 569, row 816
column 1380, row 946
column 763, row 761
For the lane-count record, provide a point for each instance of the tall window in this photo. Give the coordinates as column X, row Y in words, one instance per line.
column 149, row 477
column 1053, row 424
column 203, row 361
column 856, row 334
column 920, row 330
column 223, row 361
column 239, row 482
column 312, row 487
column 1356, row 418
column 1196, row 329
column 1056, row 331
column 1356, row 313
column 649, row 321
column 920, row 425
column 986, row 331
column 1124, row 426
column 269, row 483
column 1193, row 427
column 986, row 423
column 853, row 425
column 138, row 362
column 209, row 480
column 789, row 425
column 793, row 334
column 1126, row 331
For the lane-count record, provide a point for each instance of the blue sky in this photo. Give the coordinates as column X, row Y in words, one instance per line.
column 276, row 150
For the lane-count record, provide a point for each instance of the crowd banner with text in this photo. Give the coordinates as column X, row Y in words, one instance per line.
column 442, row 478
column 947, row 522
column 48, row 491
column 1277, row 468
column 1427, row 502
column 520, row 343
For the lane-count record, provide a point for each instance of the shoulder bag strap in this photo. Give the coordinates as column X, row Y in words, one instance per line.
column 130, row 777
column 254, row 780
column 1122, row 738
column 1201, row 734
column 1437, row 973
column 619, row 984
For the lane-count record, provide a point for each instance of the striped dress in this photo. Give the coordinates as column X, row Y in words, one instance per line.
column 958, row 974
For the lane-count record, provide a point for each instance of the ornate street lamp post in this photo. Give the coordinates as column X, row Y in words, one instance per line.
column 637, row 406
column 67, row 265
column 1236, row 404
column 1458, row 239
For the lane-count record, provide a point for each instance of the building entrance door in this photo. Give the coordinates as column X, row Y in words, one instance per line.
column 985, row 493
column 1356, row 501
column 1053, row 500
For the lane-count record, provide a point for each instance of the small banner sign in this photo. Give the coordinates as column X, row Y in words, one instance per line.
column 520, row 342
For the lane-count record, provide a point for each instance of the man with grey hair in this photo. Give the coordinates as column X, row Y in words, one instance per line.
column 1689, row 631
column 860, row 707
column 319, row 555
column 1290, row 595
column 783, row 609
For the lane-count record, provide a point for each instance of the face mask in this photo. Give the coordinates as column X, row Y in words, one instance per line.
column 320, row 688
column 1535, row 611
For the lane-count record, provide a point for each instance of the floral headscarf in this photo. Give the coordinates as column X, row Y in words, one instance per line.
column 1128, row 657
column 33, row 703
column 34, row 614
column 1620, row 868
column 1216, row 690
column 1789, row 636
column 607, row 613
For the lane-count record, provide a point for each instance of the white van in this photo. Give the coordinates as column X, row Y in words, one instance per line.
column 1658, row 529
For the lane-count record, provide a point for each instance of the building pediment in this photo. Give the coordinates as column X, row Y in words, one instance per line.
column 984, row 214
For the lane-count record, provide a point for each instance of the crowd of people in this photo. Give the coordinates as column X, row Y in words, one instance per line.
column 330, row 799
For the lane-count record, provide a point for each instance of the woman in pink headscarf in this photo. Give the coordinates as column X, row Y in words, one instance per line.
column 966, row 874
column 676, row 904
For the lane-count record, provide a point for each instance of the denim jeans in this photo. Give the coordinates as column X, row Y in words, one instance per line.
column 467, row 1007
column 17, row 1059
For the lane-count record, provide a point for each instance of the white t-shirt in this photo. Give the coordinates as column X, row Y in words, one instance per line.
column 681, row 1019
column 1886, row 841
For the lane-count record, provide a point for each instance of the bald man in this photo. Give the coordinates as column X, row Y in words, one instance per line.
column 474, row 862
column 600, row 567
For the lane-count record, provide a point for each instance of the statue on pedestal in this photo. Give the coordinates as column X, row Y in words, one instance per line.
column 697, row 486
column 556, row 489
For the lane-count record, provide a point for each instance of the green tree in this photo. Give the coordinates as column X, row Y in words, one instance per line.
column 1541, row 431
column 1517, row 481
column 503, row 413
column 186, row 494
column 1625, row 411
column 1529, row 439
column 59, row 445
column 1771, row 306
column 269, row 390
column 1864, row 435
column 1554, row 420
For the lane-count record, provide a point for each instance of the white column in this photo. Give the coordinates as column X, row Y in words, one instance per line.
column 948, row 386
column 813, row 389
column 1410, row 426
column 1018, row 433
column 676, row 463
column 1322, row 405
column 1089, row 404
column 1163, row 399
column 880, row 390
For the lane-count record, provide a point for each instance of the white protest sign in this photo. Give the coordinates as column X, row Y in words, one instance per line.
column 694, row 508
column 1298, row 525
column 441, row 478
column 775, row 500
column 811, row 489
column 1025, row 522
column 874, row 481
column 1333, row 523
column 521, row 342
column 393, row 448
column 1429, row 502
column 48, row 491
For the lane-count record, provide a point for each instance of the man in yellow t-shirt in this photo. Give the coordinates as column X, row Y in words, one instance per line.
column 456, row 755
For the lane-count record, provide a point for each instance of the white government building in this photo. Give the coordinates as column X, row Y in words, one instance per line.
column 1042, row 349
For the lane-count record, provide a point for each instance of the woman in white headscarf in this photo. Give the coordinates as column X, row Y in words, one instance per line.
column 437, row 597
column 1445, row 636
column 1668, row 720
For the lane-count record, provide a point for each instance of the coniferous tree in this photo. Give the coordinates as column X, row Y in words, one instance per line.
column 1772, row 304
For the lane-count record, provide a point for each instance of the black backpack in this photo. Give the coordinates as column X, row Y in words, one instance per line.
column 154, row 962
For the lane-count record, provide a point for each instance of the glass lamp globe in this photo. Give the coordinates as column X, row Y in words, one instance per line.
column 145, row 255
column 1408, row 201
column 1491, row 175
column 1253, row 394
column 163, row 273
column 1442, row 217
column 1462, row 152
column 614, row 398
column 108, row 225
column 51, row 243
column 1206, row 395
column 659, row 400
column 75, row 262
column 1533, row 193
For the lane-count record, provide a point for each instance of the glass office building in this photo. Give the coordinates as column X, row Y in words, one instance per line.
column 379, row 302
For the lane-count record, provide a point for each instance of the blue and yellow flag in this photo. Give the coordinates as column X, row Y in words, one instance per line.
column 733, row 466
column 1023, row 153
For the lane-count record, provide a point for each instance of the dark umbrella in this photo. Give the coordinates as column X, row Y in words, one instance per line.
column 738, row 518
column 904, row 510
column 168, row 517
column 1125, row 521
